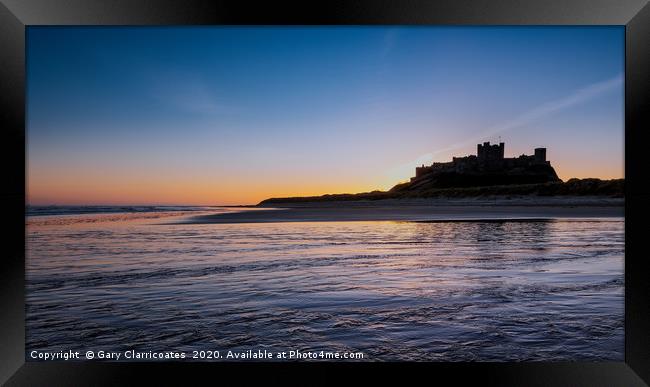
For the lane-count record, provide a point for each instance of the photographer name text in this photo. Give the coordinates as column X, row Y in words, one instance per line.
column 200, row 355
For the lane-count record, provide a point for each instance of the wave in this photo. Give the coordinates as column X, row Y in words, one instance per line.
column 81, row 210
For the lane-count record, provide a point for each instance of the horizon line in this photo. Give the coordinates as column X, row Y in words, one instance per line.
column 236, row 205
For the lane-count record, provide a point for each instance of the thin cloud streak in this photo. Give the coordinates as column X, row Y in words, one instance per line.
column 390, row 41
column 189, row 94
column 578, row 97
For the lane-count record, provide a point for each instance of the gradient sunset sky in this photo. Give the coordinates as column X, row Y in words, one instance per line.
column 234, row 115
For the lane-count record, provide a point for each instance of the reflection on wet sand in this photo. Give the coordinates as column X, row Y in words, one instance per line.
column 449, row 291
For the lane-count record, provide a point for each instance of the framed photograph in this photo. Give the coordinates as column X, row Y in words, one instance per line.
column 456, row 189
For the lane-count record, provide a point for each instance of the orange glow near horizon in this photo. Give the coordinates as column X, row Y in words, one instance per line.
column 135, row 189
column 154, row 181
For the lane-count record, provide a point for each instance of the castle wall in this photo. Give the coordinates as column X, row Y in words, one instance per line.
column 489, row 158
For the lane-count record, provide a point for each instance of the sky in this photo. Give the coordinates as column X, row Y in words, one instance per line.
column 234, row 115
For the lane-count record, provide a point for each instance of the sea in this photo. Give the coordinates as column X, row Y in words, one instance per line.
column 143, row 279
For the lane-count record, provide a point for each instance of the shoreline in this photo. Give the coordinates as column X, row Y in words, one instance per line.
column 425, row 210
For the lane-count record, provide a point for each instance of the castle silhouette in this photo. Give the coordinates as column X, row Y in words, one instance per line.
column 488, row 167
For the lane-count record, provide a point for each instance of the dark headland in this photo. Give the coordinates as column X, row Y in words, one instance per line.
column 485, row 186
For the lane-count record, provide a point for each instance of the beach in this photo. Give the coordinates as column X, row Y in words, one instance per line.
column 505, row 288
column 423, row 210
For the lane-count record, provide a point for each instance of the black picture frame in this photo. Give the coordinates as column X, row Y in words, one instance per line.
column 15, row 15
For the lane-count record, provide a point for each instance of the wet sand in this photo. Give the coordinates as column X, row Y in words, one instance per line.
column 419, row 210
column 394, row 291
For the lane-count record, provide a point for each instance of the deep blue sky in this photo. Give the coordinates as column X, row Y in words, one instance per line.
column 235, row 114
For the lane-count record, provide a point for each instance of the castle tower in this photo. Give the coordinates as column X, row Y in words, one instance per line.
column 540, row 155
column 490, row 152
